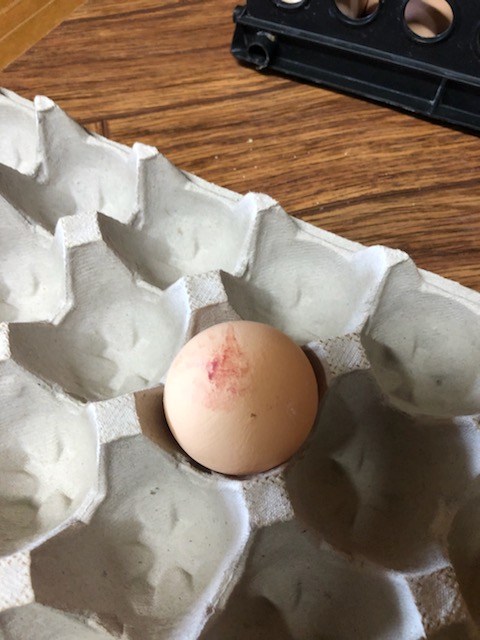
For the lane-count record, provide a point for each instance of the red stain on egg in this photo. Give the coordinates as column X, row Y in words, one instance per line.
column 227, row 372
column 212, row 367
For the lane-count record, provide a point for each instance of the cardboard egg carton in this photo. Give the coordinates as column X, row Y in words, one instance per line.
column 110, row 260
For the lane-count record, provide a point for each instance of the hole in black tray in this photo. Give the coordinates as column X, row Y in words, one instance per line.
column 262, row 49
column 290, row 4
column 258, row 55
column 428, row 19
column 357, row 9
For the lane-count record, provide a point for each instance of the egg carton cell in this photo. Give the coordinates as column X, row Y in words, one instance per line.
column 287, row 277
column 117, row 334
column 18, row 132
column 425, row 367
column 379, row 483
column 89, row 174
column 49, row 624
column 107, row 528
column 156, row 551
column 32, row 279
column 293, row 589
column 75, row 171
column 48, row 457
column 464, row 549
column 100, row 346
column 177, row 224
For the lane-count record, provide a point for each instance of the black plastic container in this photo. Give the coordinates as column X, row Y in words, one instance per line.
column 376, row 56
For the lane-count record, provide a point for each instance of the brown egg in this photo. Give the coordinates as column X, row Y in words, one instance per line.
column 241, row 397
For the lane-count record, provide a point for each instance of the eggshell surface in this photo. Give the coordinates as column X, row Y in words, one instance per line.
column 240, row 397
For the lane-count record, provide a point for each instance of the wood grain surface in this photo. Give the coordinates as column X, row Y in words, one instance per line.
column 24, row 22
column 162, row 73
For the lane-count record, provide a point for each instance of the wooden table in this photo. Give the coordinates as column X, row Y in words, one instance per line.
column 162, row 73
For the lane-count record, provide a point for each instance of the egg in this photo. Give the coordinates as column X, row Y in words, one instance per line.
column 241, row 397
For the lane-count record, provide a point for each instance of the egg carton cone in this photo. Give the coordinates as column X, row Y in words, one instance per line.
column 111, row 259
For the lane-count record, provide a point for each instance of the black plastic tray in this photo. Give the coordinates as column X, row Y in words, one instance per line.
column 376, row 57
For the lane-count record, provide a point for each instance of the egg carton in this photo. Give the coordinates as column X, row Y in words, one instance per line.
column 110, row 260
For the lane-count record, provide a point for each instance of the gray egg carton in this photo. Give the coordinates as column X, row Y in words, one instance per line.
column 110, row 260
